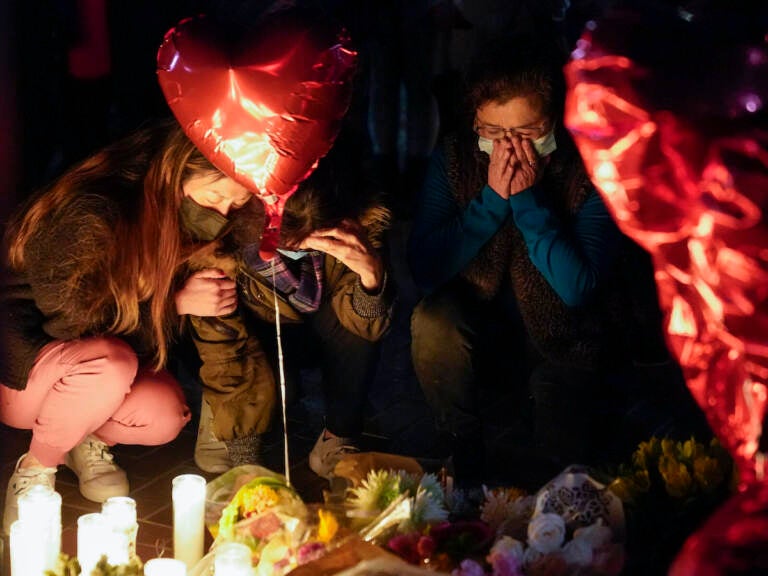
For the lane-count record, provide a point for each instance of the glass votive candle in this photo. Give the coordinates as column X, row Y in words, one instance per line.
column 92, row 541
column 120, row 525
column 188, row 495
column 165, row 567
column 26, row 558
column 232, row 559
column 40, row 510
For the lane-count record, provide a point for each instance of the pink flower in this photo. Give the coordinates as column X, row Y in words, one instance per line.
column 309, row 552
column 404, row 545
column 548, row 565
column 507, row 566
column 425, row 547
column 468, row 568
column 506, row 557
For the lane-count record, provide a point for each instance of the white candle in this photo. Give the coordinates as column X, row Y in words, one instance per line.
column 92, row 541
column 26, row 559
column 165, row 567
column 40, row 510
column 232, row 559
column 188, row 494
column 119, row 517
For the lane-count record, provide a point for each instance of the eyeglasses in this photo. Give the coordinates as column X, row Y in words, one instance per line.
column 497, row 132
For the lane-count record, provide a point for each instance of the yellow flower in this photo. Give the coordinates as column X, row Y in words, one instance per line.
column 677, row 478
column 669, row 448
column 688, row 450
column 258, row 499
column 642, row 479
column 624, row 488
column 646, row 453
column 707, row 473
column 327, row 527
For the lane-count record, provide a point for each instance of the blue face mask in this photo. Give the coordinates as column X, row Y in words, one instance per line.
column 294, row 254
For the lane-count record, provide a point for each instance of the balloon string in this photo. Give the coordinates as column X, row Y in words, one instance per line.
column 282, row 376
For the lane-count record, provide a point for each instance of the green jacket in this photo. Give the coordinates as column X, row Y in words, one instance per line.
column 236, row 374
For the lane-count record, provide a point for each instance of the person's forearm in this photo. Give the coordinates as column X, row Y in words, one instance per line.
column 573, row 261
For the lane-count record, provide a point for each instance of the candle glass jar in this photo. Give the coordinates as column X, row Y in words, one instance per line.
column 40, row 511
column 92, row 541
column 165, row 567
column 120, row 526
column 232, row 559
column 188, row 495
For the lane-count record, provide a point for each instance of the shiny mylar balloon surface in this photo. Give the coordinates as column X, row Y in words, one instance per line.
column 669, row 112
column 263, row 106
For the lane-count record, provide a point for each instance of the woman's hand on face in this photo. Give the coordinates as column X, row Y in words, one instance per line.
column 526, row 165
column 500, row 169
column 208, row 292
column 349, row 244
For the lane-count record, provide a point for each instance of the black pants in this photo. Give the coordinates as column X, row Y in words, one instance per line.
column 459, row 343
column 347, row 363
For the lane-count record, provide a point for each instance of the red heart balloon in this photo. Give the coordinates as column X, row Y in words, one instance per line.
column 262, row 106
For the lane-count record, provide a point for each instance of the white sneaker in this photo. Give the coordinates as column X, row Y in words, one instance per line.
column 211, row 454
column 99, row 477
column 19, row 483
column 327, row 452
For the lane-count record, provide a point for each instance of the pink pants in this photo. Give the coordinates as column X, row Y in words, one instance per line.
column 93, row 386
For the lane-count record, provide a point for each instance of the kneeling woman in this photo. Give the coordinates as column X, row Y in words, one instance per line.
column 88, row 312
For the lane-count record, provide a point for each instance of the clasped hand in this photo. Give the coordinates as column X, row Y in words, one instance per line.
column 514, row 166
column 208, row 292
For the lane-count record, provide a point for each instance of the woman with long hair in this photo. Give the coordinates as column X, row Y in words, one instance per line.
column 91, row 302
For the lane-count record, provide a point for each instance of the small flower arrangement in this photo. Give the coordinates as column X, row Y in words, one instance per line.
column 682, row 471
column 568, row 527
column 590, row 551
column 381, row 488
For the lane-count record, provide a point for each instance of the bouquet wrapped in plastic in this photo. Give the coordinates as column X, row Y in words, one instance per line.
column 257, row 507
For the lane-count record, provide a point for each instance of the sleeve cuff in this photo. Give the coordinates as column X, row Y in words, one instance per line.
column 369, row 305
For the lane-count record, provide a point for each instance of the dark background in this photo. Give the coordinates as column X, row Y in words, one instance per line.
column 51, row 119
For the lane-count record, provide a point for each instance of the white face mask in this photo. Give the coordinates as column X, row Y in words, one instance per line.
column 485, row 145
column 544, row 146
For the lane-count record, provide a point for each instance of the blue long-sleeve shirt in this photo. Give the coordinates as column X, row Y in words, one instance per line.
column 445, row 237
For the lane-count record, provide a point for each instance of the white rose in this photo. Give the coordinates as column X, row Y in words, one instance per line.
column 531, row 556
column 596, row 535
column 546, row 532
column 578, row 552
column 507, row 546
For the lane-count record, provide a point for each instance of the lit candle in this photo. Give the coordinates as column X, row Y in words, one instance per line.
column 165, row 567
column 188, row 494
column 40, row 510
column 26, row 559
column 119, row 517
column 92, row 541
column 232, row 559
